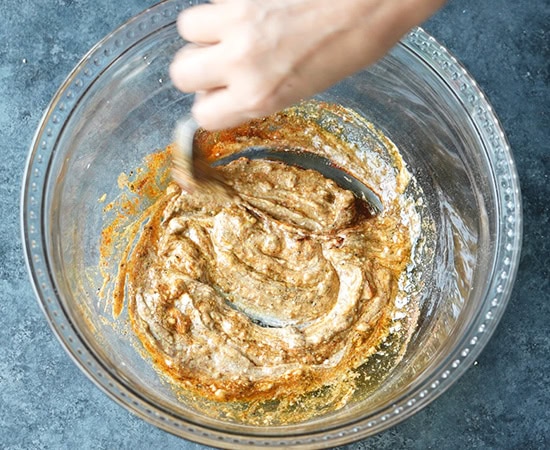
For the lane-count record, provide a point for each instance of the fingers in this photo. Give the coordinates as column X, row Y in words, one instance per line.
column 230, row 106
column 196, row 68
column 231, row 70
column 216, row 110
column 202, row 24
column 219, row 109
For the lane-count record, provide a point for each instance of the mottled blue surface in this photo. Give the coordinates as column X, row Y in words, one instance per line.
column 502, row 402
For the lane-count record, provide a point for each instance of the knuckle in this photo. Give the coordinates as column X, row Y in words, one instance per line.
column 246, row 11
column 182, row 23
column 179, row 75
column 176, row 76
column 259, row 102
column 243, row 48
column 210, row 120
column 202, row 116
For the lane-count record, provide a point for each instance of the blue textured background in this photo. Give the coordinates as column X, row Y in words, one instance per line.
column 502, row 402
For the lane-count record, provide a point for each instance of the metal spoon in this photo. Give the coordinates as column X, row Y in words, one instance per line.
column 191, row 169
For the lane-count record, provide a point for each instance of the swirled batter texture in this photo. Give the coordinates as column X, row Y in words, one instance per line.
column 281, row 288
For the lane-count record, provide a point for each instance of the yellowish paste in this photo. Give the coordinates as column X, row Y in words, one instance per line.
column 287, row 285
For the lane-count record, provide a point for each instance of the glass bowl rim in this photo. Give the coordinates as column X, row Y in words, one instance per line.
column 508, row 247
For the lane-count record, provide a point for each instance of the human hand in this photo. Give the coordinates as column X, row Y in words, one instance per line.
column 250, row 58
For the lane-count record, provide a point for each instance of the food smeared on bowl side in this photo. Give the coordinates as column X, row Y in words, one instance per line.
column 286, row 299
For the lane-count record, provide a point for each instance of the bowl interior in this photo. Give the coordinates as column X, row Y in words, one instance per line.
column 129, row 109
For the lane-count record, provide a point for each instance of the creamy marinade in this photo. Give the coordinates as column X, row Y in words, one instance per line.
column 287, row 289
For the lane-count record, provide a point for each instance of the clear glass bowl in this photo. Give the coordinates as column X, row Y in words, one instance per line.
column 118, row 105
